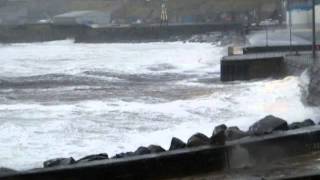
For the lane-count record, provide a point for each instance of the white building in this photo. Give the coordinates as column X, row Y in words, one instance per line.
column 301, row 14
column 90, row 18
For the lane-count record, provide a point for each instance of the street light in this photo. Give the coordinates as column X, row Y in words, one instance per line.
column 290, row 23
column 265, row 24
column 314, row 31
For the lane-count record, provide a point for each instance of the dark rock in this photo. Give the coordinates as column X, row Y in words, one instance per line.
column 234, row 133
column 218, row 136
column 308, row 122
column 156, row 149
column 198, row 139
column 58, row 162
column 220, row 128
column 268, row 125
column 176, row 144
column 297, row 125
column 123, row 155
column 142, row 150
column 6, row 171
column 95, row 157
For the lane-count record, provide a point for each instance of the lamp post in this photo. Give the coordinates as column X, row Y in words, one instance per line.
column 290, row 23
column 314, row 41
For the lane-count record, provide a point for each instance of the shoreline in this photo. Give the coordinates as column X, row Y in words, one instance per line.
column 265, row 133
column 50, row 32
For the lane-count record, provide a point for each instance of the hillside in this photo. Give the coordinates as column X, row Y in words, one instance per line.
column 126, row 11
column 151, row 8
column 178, row 9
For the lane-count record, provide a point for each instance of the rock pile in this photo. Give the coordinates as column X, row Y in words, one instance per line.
column 176, row 143
column 268, row 125
column 58, row 162
column 221, row 134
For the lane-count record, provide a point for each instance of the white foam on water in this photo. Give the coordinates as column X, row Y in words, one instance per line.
column 31, row 133
column 41, row 132
column 70, row 58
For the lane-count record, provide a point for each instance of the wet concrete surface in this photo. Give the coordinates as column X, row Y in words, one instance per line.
column 303, row 165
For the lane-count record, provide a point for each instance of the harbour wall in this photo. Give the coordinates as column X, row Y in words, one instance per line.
column 263, row 62
column 297, row 59
column 51, row 32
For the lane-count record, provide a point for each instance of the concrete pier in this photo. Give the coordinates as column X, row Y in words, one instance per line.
column 274, row 49
column 252, row 66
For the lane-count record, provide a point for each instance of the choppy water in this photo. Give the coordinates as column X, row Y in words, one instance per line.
column 61, row 99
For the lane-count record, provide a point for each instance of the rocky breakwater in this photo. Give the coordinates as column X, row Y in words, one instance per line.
column 237, row 144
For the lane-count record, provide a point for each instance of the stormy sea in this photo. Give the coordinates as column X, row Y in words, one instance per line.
column 62, row 99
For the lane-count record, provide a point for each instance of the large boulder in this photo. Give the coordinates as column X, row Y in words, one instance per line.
column 268, row 125
column 123, row 155
column 198, row 139
column 6, row 171
column 309, row 122
column 95, row 157
column 234, row 133
column 295, row 125
column 142, row 151
column 218, row 136
column 156, row 149
column 176, row 143
column 58, row 162
column 305, row 123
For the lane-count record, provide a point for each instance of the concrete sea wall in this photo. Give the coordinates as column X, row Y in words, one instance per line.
column 296, row 59
column 251, row 66
column 295, row 64
column 50, row 32
column 268, row 139
column 314, row 86
column 266, row 61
